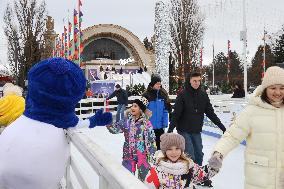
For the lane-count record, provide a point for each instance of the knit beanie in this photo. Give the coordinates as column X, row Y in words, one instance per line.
column 273, row 75
column 55, row 86
column 117, row 86
column 171, row 139
column 155, row 79
column 142, row 103
column 11, row 107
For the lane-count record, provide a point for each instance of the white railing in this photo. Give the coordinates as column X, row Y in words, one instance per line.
column 112, row 175
column 87, row 107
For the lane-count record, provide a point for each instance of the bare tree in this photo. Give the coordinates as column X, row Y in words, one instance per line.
column 24, row 25
column 187, row 31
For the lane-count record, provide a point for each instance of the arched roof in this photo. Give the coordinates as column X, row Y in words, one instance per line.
column 121, row 35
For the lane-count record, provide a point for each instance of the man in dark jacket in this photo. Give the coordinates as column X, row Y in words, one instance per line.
column 159, row 105
column 190, row 106
column 122, row 101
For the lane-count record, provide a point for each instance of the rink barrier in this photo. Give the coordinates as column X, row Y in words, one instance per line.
column 112, row 175
column 222, row 104
column 88, row 107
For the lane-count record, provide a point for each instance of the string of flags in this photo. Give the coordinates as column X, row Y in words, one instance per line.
column 67, row 47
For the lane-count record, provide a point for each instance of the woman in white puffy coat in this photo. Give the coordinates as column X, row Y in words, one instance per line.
column 261, row 124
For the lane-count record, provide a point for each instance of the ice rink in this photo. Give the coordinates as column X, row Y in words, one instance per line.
column 231, row 175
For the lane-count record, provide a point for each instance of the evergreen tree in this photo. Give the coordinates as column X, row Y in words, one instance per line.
column 236, row 70
column 256, row 70
column 220, row 68
column 278, row 49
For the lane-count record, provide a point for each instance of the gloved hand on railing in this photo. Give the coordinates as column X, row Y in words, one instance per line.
column 100, row 119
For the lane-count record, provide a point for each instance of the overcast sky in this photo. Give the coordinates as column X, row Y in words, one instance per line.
column 223, row 20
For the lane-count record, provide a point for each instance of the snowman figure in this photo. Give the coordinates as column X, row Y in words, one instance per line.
column 34, row 149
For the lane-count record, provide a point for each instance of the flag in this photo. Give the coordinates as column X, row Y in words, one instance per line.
column 75, row 36
column 80, row 36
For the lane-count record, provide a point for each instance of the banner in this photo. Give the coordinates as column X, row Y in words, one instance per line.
column 102, row 88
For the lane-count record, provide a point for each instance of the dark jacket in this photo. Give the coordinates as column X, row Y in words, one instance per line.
column 159, row 106
column 190, row 106
column 121, row 95
column 238, row 93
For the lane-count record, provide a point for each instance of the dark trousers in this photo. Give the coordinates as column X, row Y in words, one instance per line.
column 158, row 133
column 193, row 146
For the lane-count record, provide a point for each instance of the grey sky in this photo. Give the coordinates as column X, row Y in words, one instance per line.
column 223, row 20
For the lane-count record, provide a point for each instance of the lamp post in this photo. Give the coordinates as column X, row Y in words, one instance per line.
column 244, row 39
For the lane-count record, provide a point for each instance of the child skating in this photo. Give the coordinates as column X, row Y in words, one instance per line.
column 139, row 146
column 173, row 169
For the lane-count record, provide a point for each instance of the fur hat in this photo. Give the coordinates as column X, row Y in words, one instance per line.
column 142, row 103
column 155, row 79
column 10, row 88
column 171, row 139
column 11, row 107
column 55, row 86
column 273, row 75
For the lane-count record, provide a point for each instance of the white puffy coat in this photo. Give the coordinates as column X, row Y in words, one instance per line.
column 262, row 125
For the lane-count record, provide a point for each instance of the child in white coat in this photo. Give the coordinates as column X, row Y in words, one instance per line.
column 173, row 169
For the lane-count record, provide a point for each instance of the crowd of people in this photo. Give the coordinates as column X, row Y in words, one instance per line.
column 35, row 127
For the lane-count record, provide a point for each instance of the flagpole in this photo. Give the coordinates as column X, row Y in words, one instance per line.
column 213, row 66
column 79, row 33
column 264, row 50
column 229, row 61
column 244, row 39
column 68, row 38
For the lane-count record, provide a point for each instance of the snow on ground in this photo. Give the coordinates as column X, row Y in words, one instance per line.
column 231, row 175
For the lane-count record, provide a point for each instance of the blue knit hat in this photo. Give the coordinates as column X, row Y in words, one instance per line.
column 55, row 86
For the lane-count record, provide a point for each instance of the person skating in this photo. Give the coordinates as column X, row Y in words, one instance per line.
column 190, row 106
column 173, row 169
column 122, row 101
column 34, row 149
column 261, row 124
column 159, row 105
column 139, row 146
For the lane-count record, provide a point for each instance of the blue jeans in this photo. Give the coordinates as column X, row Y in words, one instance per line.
column 193, row 146
column 120, row 112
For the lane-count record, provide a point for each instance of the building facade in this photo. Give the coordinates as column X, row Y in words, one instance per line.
column 109, row 47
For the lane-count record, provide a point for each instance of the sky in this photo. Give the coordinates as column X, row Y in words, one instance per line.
column 223, row 20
